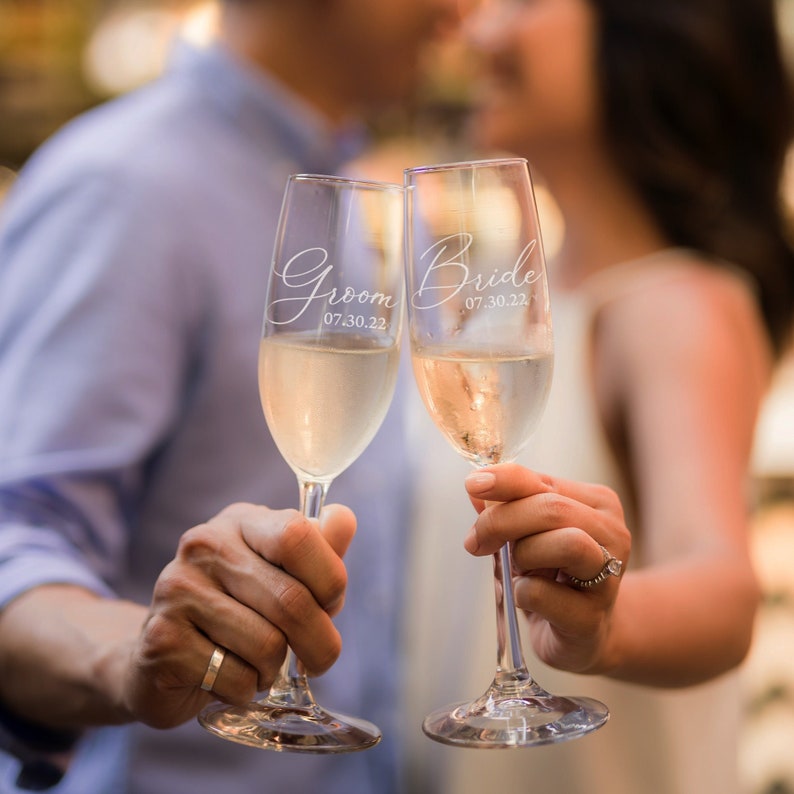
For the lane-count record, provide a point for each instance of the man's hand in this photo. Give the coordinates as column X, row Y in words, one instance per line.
column 251, row 580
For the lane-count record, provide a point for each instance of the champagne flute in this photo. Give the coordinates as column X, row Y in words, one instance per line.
column 328, row 361
column 482, row 353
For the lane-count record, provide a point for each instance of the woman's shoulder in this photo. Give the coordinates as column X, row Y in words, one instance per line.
column 681, row 312
column 669, row 274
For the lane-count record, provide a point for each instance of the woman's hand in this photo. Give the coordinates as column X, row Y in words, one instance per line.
column 557, row 529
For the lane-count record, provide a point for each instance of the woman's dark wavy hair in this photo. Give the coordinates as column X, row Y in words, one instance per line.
column 699, row 112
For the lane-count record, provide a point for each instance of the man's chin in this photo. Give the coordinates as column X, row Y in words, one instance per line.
column 487, row 130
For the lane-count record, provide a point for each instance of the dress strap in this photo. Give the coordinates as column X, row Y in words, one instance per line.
column 623, row 278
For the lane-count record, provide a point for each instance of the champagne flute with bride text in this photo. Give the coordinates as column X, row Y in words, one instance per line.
column 482, row 352
column 328, row 362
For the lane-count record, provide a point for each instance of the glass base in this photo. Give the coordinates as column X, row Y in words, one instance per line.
column 290, row 729
column 523, row 716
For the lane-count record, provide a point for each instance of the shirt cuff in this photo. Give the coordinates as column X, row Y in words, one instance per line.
column 28, row 570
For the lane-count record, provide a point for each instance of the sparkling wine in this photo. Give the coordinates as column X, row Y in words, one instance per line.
column 486, row 406
column 325, row 400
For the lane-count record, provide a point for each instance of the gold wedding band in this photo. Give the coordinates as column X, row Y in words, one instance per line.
column 612, row 567
column 213, row 668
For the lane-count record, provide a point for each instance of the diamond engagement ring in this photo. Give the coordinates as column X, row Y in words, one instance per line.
column 612, row 567
column 213, row 668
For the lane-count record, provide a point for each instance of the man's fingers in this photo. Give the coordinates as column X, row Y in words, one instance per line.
column 338, row 526
column 296, row 545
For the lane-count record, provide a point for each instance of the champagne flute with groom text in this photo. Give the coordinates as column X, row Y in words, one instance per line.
column 328, row 363
column 482, row 352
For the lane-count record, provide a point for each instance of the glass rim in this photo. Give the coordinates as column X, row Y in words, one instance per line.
column 369, row 184
column 460, row 164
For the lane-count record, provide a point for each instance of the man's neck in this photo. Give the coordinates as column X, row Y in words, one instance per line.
column 263, row 36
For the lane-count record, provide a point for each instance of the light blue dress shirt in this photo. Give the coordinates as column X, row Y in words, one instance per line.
column 133, row 258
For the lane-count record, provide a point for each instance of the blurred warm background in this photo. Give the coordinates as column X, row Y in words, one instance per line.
column 59, row 57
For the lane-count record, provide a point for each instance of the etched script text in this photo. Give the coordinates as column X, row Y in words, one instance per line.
column 309, row 274
column 448, row 274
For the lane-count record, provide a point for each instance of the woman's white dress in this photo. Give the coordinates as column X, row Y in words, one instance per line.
column 656, row 741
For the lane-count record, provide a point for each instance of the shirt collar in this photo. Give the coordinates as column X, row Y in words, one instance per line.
column 264, row 109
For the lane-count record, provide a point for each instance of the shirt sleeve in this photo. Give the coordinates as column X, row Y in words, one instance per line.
column 96, row 336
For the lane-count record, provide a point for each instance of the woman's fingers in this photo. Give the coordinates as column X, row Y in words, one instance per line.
column 553, row 524
column 569, row 550
column 507, row 482
column 567, row 630
column 501, row 522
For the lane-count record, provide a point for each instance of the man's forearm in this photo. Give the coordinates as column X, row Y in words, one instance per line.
column 63, row 656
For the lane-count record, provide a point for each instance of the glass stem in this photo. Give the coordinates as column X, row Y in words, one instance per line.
column 291, row 687
column 511, row 670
